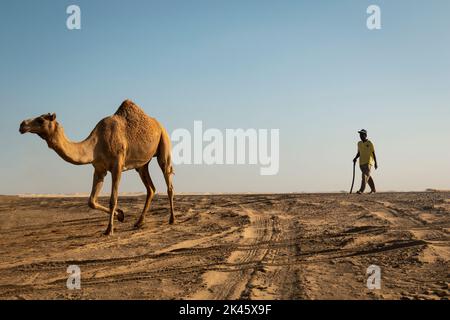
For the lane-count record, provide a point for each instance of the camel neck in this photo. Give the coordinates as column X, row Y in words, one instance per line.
column 77, row 153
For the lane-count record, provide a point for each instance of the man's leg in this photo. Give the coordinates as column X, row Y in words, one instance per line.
column 365, row 175
column 372, row 185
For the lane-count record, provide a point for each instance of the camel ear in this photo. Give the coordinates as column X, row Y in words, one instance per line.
column 52, row 117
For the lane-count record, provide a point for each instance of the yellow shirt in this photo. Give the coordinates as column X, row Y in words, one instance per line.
column 366, row 151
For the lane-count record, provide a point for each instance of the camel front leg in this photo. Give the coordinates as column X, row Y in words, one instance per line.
column 97, row 184
column 116, row 175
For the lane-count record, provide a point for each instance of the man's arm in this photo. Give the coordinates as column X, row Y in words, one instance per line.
column 375, row 158
column 356, row 157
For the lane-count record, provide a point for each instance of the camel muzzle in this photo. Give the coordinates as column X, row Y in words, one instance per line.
column 24, row 128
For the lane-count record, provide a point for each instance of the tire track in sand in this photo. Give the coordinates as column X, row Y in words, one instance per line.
column 231, row 285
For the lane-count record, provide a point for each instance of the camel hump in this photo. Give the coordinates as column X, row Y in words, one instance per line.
column 129, row 109
column 137, row 124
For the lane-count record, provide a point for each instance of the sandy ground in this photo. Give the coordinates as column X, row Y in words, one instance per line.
column 292, row 246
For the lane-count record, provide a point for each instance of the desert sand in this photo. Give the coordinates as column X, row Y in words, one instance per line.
column 280, row 246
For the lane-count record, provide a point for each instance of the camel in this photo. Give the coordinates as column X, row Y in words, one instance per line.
column 127, row 140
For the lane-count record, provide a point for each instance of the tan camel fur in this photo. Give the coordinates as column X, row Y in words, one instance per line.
column 127, row 140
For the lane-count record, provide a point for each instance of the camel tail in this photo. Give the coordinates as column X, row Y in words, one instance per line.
column 170, row 169
column 165, row 152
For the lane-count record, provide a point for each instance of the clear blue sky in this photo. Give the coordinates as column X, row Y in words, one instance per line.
column 310, row 68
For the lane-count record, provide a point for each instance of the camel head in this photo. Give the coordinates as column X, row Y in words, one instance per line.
column 44, row 126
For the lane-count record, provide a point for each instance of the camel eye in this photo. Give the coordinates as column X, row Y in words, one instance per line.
column 40, row 121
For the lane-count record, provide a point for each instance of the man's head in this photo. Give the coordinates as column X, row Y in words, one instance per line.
column 44, row 125
column 363, row 134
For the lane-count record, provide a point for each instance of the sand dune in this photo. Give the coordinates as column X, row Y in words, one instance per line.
column 292, row 246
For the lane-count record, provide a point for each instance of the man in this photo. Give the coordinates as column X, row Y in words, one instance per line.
column 367, row 157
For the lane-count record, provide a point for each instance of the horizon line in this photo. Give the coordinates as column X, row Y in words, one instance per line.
column 137, row 194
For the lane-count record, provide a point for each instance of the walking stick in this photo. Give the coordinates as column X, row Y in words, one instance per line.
column 353, row 179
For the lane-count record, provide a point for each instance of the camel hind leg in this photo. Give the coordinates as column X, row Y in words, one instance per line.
column 165, row 163
column 147, row 181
